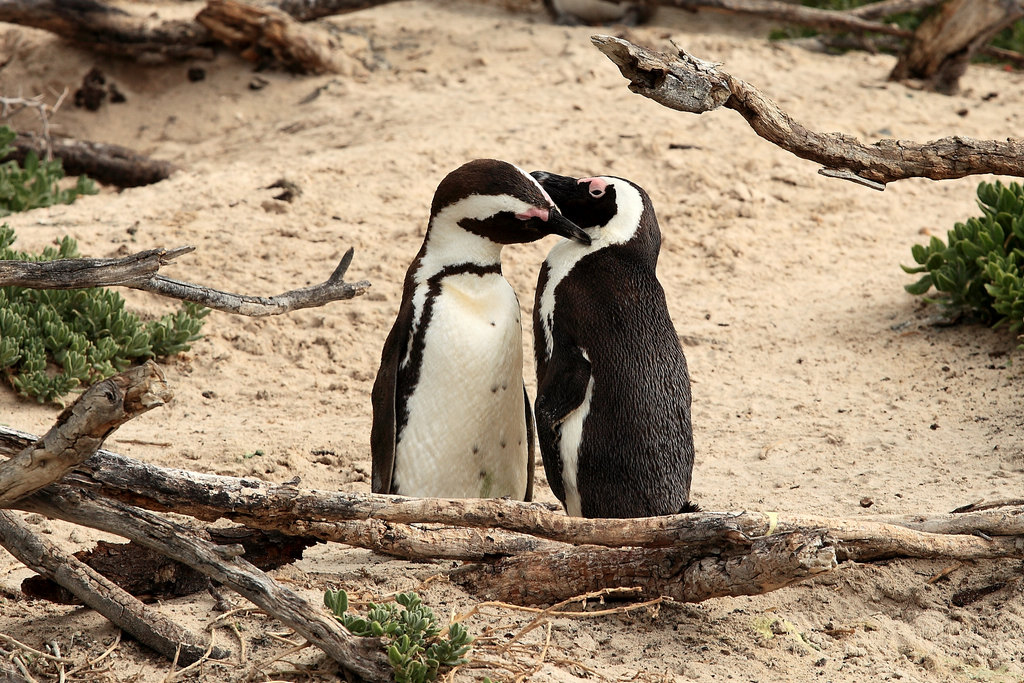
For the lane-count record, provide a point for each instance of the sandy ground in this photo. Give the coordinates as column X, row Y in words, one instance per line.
column 817, row 381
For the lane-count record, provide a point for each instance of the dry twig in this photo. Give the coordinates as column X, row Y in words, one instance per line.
column 139, row 271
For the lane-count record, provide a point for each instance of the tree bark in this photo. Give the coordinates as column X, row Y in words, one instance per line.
column 139, row 271
column 81, row 429
column 107, row 164
column 108, row 30
column 944, row 43
column 686, row 83
column 146, row 625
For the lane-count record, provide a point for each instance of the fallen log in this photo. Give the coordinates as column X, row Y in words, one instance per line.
column 146, row 625
column 687, row 83
column 769, row 563
column 308, row 10
column 260, row 504
column 108, row 30
column 104, row 163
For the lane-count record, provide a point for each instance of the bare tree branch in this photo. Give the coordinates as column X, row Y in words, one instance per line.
column 687, row 83
column 146, row 625
column 829, row 20
column 81, row 429
column 361, row 656
column 887, row 8
column 139, row 271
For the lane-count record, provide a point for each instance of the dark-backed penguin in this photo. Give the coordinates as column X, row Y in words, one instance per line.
column 451, row 417
column 613, row 390
column 598, row 12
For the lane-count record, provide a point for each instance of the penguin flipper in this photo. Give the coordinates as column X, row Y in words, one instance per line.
column 383, row 433
column 562, row 390
column 531, row 446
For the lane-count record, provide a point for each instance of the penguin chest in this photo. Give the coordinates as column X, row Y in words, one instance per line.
column 465, row 435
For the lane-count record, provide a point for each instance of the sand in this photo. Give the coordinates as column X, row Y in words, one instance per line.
column 819, row 384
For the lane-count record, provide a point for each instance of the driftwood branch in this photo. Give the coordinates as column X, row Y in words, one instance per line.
column 146, row 625
column 262, row 505
column 686, row 83
column 360, row 656
column 104, row 163
column 81, row 429
column 109, row 30
column 827, row 20
column 259, row 33
column 705, row 554
column 769, row 563
column 139, row 271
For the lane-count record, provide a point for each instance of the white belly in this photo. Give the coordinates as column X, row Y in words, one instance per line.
column 466, row 431
column 571, row 438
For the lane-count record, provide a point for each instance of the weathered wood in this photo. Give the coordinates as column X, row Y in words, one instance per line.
column 262, row 33
column 109, row 30
column 887, row 8
column 360, row 656
column 151, row 575
column 104, row 163
column 307, row 10
column 146, row 625
column 686, row 83
column 768, row 564
column 139, row 271
column 81, row 429
column 82, row 273
column 259, row 504
column 945, row 42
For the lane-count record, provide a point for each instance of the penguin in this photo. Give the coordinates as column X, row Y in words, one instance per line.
column 613, row 389
column 597, row 12
column 451, row 417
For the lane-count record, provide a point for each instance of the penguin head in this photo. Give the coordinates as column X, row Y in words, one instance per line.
column 612, row 210
column 498, row 201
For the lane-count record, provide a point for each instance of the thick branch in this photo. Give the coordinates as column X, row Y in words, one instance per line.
column 81, row 429
column 768, row 564
column 361, row 656
column 100, row 27
column 139, row 271
column 146, row 625
column 259, row 32
column 687, row 83
column 104, row 163
column 262, row 505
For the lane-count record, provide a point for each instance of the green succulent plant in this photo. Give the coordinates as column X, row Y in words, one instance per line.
column 978, row 272
column 411, row 635
column 53, row 341
column 35, row 184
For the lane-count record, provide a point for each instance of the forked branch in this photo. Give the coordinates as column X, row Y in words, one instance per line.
column 686, row 83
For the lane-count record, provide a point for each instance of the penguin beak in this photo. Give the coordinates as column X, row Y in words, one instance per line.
column 560, row 187
column 557, row 224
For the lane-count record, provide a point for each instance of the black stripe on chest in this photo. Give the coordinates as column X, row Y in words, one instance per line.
column 409, row 372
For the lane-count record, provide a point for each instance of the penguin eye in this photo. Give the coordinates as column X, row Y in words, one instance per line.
column 596, row 192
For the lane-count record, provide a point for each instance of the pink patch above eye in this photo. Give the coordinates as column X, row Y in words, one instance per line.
column 597, row 186
column 533, row 212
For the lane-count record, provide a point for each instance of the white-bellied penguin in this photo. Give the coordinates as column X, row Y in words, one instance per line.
column 613, row 390
column 451, row 417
